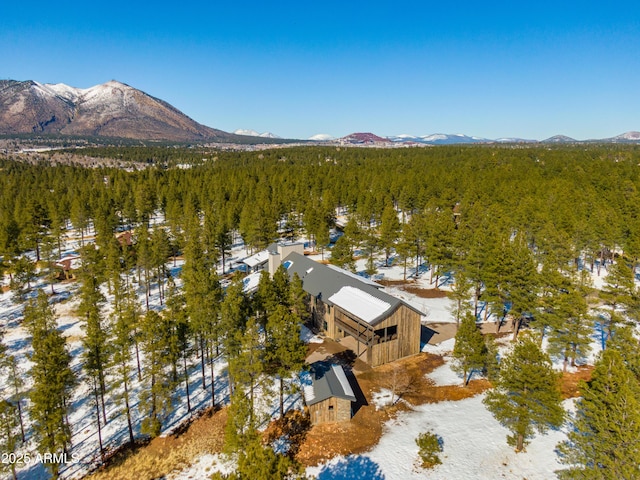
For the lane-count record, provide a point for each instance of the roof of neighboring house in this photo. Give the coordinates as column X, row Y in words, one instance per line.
column 256, row 259
column 328, row 383
column 334, row 286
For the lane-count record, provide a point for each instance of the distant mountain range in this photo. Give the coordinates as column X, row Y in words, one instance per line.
column 460, row 139
column 115, row 109
column 253, row 133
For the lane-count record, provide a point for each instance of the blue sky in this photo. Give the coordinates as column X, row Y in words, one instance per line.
column 297, row 69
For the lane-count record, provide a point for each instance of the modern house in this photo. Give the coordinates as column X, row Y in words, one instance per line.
column 330, row 397
column 378, row 327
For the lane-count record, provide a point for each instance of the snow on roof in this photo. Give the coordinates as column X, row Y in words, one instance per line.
column 342, row 378
column 309, row 394
column 362, row 304
column 257, row 259
column 250, row 282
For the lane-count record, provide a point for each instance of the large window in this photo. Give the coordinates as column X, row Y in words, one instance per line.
column 387, row 333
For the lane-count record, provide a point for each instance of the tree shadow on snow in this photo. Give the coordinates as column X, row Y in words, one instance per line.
column 352, row 468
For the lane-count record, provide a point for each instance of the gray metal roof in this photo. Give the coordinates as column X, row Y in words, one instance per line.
column 323, row 282
column 328, row 381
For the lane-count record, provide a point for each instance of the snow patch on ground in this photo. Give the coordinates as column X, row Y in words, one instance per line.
column 474, row 446
column 444, row 375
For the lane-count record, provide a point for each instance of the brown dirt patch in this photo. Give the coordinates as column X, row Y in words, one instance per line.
column 425, row 292
column 395, row 283
column 570, row 380
column 165, row 454
column 365, row 428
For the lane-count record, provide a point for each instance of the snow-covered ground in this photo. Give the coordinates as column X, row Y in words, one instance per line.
column 474, row 443
column 474, row 447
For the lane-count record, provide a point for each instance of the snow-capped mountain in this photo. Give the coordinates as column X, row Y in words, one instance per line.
column 253, row 133
column 112, row 109
column 321, row 137
column 438, row 139
column 403, row 137
column 627, row 137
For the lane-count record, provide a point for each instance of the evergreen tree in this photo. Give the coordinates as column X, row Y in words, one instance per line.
column 53, row 380
column 389, row 231
column 247, row 367
column 618, row 292
column 570, row 336
column 469, row 351
column 179, row 336
column 459, row 293
column 527, row 394
column 286, row 352
column 155, row 399
column 15, row 384
column 604, row 442
column 9, row 435
column 96, row 352
column 342, row 254
column 256, row 460
column 123, row 320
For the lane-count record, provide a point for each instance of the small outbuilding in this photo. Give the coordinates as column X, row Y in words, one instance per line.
column 330, row 397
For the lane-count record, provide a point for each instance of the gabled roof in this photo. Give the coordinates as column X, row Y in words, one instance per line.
column 256, row 259
column 350, row 292
column 328, row 383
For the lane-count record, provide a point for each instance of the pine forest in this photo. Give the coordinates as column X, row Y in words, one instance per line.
column 126, row 313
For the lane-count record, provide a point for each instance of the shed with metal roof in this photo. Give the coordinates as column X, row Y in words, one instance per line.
column 330, row 397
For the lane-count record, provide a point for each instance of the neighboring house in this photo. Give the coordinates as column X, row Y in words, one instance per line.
column 257, row 261
column 330, row 397
column 125, row 239
column 68, row 264
column 378, row 327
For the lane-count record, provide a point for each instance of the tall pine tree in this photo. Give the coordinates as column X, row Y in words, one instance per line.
column 527, row 393
column 604, row 442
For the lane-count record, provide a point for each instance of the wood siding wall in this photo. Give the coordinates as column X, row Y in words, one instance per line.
column 407, row 342
column 321, row 412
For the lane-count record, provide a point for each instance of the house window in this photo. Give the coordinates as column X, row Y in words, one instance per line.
column 328, row 308
column 386, row 334
column 330, row 407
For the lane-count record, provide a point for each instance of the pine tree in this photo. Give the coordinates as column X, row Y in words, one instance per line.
column 9, row 435
column 604, row 442
column 122, row 332
column 527, row 394
column 286, row 352
column 180, row 335
column 247, row 367
column 618, row 292
column 155, row 399
column 571, row 331
column 459, row 293
column 96, row 352
column 53, row 380
column 342, row 254
column 469, row 351
column 298, row 298
column 389, row 231
column 15, row 384
column 625, row 342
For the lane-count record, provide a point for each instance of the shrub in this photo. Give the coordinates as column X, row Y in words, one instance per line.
column 430, row 446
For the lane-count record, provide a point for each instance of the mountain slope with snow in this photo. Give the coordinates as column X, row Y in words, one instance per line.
column 112, row 109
